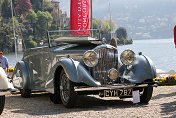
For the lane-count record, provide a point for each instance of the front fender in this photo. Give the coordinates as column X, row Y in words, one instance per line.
column 141, row 70
column 76, row 72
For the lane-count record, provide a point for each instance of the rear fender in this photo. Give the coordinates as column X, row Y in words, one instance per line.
column 21, row 76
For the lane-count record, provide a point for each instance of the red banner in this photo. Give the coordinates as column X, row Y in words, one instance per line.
column 175, row 35
column 79, row 17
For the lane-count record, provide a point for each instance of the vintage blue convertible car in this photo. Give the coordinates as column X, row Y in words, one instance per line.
column 67, row 66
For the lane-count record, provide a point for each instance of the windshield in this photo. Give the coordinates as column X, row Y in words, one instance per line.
column 59, row 37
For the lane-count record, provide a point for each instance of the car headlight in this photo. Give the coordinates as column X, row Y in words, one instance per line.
column 127, row 57
column 90, row 58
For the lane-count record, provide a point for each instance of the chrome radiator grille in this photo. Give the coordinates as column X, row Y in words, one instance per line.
column 108, row 58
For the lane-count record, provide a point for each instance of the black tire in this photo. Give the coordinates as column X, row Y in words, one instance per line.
column 67, row 91
column 146, row 94
column 55, row 98
column 25, row 93
column 2, row 103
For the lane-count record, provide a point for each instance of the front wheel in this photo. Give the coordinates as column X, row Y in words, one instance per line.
column 67, row 93
column 55, row 98
column 25, row 93
column 2, row 103
column 146, row 94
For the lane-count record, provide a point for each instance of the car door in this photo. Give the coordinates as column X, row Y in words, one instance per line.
column 35, row 62
column 46, row 65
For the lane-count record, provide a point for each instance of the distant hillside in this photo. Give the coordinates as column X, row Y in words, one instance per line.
column 135, row 7
column 142, row 18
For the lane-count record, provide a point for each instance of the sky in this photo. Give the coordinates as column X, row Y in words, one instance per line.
column 98, row 5
column 101, row 7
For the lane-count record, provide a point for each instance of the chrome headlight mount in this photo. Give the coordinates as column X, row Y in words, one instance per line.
column 127, row 57
column 90, row 58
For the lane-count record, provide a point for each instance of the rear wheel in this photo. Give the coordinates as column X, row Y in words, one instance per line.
column 25, row 93
column 146, row 94
column 21, row 79
column 18, row 82
column 2, row 102
column 67, row 90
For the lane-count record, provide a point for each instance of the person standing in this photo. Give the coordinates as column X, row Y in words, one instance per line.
column 4, row 62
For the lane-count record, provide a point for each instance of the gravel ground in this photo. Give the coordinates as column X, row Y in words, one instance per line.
column 163, row 104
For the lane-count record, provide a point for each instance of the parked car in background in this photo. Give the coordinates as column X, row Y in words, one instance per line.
column 67, row 66
column 2, row 103
column 4, row 88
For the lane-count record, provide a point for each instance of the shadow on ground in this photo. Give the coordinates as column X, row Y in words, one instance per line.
column 167, row 108
column 40, row 104
column 159, row 96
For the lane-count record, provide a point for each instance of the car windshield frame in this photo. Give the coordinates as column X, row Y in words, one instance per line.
column 57, row 37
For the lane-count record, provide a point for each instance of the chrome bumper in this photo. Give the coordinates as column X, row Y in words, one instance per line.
column 108, row 87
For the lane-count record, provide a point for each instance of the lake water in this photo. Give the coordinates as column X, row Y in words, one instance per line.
column 161, row 51
column 12, row 58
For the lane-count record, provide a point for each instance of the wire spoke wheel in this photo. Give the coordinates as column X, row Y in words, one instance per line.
column 65, row 87
column 67, row 93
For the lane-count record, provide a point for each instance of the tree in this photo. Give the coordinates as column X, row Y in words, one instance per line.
column 47, row 6
column 106, row 28
column 42, row 25
column 37, row 25
column 37, row 5
column 30, row 26
column 30, row 43
column 6, row 9
column 41, row 5
column 22, row 7
column 95, row 24
column 49, row 17
column 1, row 1
column 121, row 33
column 6, row 43
column 31, row 16
column 102, row 25
column 111, row 24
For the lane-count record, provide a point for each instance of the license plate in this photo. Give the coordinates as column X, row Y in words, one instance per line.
column 118, row 92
